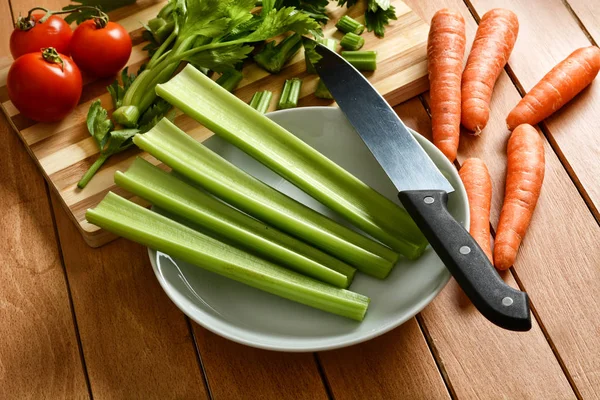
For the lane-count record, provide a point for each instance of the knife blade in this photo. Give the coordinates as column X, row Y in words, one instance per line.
column 423, row 191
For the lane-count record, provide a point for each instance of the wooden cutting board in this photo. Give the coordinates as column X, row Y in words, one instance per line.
column 65, row 150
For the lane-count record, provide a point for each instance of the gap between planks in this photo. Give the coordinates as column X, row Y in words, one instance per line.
column 521, row 286
column 579, row 22
column 570, row 173
column 189, row 323
column 68, row 287
column 323, row 375
column 62, row 263
column 81, row 352
column 543, row 125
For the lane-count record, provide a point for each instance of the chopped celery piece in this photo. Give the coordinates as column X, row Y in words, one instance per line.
column 200, row 165
column 273, row 57
column 310, row 55
column 241, row 125
column 322, row 92
column 261, row 101
column 364, row 60
column 173, row 195
column 124, row 115
column 348, row 24
column 134, row 222
column 230, row 79
column 351, row 41
column 290, row 94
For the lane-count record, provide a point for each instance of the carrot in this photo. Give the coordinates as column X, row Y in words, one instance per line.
column 557, row 87
column 524, row 177
column 478, row 184
column 445, row 52
column 494, row 41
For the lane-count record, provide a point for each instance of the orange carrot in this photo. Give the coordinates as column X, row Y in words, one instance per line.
column 445, row 52
column 557, row 87
column 524, row 177
column 478, row 184
column 494, row 41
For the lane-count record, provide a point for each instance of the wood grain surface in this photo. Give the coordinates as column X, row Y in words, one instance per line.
column 136, row 344
column 487, row 360
column 235, row 371
column 588, row 14
column 548, row 34
column 558, row 262
column 135, row 341
column 65, row 150
column 397, row 365
column 39, row 354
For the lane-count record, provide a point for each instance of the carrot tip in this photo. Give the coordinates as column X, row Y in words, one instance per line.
column 475, row 132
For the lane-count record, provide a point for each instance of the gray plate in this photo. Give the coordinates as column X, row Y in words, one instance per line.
column 249, row 316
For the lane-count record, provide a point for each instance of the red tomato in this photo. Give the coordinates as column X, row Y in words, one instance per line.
column 100, row 51
column 41, row 88
column 54, row 32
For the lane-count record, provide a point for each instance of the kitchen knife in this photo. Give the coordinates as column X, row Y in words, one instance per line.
column 423, row 191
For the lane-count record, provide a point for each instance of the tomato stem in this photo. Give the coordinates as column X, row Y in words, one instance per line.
column 26, row 23
column 49, row 54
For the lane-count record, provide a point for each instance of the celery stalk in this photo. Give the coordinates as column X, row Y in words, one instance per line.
column 230, row 79
column 202, row 166
column 362, row 60
column 235, row 121
column 134, row 222
column 261, row 101
column 290, row 94
column 322, row 92
column 351, row 41
column 348, row 24
column 309, row 48
column 173, row 195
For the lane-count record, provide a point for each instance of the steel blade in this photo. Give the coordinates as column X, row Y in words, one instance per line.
column 402, row 158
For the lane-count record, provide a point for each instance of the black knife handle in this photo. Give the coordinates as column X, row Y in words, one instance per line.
column 497, row 301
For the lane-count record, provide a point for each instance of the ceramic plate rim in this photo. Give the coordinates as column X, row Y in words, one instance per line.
column 184, row 304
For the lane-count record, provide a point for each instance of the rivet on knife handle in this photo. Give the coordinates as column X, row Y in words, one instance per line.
column 497, row 301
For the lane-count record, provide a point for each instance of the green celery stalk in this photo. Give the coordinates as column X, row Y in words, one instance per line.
column 351, row 41
column 322, row 92
column 230, row 79
column 134, row 222
column 329, row 43
column 173, row 195
column 363, row 60
column 231, row 118
column 261, row 101
column 200, row 165
column 348, row 24
column 290, row 94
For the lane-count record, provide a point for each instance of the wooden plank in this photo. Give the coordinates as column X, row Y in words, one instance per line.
column 548, row 34
column 588, row 13
column 397, row 365
column 5, row 29
column 65, row 150
column 39, row 354
column 136, row 342
column 235, row 371
column 488, row 360
column 558, row 260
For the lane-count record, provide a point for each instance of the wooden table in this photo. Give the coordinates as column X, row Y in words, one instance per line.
column 78, row 322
